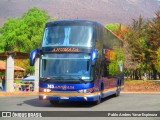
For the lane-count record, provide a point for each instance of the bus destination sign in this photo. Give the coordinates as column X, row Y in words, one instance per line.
column 65, row 50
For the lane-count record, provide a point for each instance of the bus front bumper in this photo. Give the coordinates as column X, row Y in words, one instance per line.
column 70, row 96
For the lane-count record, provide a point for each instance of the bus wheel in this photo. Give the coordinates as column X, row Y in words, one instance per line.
column 54, row 102
column 99, row 99
column 117, row 92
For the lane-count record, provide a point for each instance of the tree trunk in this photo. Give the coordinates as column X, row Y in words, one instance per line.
column 140, row 76
column 154, row 75
column 136, row 74
column 131, row 74
column 149, row 74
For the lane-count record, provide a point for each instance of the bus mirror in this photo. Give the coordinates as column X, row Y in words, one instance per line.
column 94, row 56
column 33, row 55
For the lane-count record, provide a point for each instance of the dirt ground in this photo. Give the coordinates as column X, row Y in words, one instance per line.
column 142, row 86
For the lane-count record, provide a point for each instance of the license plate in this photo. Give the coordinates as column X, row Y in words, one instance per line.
column 64, row 98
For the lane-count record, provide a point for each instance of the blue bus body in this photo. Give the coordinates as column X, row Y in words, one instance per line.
column 80, row 60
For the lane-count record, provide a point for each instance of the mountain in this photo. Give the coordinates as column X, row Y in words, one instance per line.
column 104, row 11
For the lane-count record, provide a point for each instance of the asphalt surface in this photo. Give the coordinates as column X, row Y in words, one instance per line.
column 125, row 102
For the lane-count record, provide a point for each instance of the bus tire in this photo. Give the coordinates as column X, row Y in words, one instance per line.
column 99, row 99
column 117, row 92
column 54, row 102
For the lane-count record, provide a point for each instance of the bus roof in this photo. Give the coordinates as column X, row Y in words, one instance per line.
column 79, row 21
column 70, row 21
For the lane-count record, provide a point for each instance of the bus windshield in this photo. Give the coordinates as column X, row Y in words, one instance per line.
column 74, row 35
column 65, row 66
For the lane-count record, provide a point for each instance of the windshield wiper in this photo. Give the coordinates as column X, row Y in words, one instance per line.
column 44, row 79
column 82, row 80
column 53, row 79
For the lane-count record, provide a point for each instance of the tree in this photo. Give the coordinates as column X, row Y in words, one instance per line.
column 25, row 33
column 35, row 20
column 144, row 41
column 153, row 30
column 130, row 63
column 2, row 43
column 137, row 40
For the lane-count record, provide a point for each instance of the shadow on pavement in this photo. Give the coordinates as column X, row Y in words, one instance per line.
column 71, row 104
column 37, row 103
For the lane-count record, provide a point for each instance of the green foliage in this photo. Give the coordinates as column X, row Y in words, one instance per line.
column 25, row 33
column 137, row 39
column 113, row 27
column 158, row 60
column 35, row 20
column 11, row 34
column 18, row 81
column 2, row 43
column 153, row 30
column 30, row 70
column 144, row 41
column 141, row 46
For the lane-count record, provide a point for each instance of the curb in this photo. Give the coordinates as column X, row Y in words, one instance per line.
column 141, row 92
column 2, row 94
column 18, row 93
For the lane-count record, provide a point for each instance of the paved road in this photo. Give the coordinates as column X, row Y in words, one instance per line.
column 125, row 102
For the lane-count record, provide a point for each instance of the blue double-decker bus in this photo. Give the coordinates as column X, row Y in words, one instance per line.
column 80, row 60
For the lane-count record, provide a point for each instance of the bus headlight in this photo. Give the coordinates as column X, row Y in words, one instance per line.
column 47, row 90
column 44, row 97
column 90, row 90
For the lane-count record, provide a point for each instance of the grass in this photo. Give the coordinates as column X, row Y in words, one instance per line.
column 18, row 80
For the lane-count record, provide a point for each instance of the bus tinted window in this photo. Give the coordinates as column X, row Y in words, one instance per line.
column 66, row 65
column 68, row 36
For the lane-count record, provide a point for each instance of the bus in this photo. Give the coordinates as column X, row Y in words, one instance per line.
column 80, row 60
